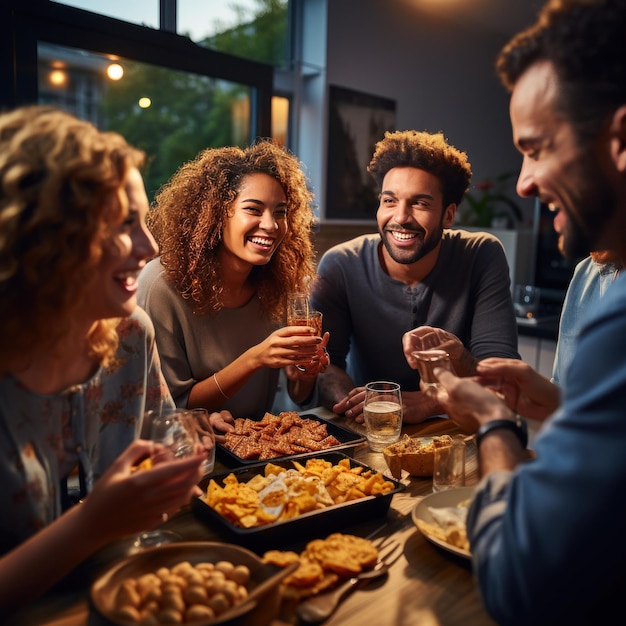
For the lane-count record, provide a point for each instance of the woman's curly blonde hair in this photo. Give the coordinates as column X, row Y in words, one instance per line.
column 190, row 212
column 61, row 194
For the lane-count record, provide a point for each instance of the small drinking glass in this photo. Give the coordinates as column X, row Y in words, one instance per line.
column 298, row 307
column 382, row 411
column 427, row 361
column 300, row 313
column 449, row 465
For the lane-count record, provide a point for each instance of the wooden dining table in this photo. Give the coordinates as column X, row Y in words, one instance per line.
column 427, row 585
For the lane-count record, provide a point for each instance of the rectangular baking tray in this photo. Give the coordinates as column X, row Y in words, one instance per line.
column 348, row 439
column 311, row 525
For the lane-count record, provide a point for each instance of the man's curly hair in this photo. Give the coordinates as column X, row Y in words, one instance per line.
column 585, row 40
column 61, row 194
column 424, row 151
column 190, row 212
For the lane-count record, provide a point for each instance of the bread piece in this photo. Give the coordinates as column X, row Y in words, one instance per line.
column 415, row 455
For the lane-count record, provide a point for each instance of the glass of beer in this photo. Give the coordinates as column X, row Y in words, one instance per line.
column 383, row 414
column 300, row 313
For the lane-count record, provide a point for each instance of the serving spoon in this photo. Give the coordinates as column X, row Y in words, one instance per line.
column 317, row 608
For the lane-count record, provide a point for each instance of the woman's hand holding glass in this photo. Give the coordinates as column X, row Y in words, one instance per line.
column 300, row 313
column 315, row 365
column 127, row 500
column 174, row 433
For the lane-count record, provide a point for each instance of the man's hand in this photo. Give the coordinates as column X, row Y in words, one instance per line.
column 524, row 390
column 417, row 406
column 429, row 338
column 467, row 402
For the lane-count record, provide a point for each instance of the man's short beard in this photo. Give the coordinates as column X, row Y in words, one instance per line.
column 597, row 205
column 428, row 245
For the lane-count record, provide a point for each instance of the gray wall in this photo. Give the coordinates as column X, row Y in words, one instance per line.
column 439, row 69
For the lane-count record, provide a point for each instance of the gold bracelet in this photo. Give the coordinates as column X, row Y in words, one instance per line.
column 218, row 386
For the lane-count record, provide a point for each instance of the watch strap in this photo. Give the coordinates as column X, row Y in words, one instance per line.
column 517, row 426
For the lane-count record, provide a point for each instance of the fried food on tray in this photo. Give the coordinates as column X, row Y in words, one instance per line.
column 280, row 494
column 278, row 435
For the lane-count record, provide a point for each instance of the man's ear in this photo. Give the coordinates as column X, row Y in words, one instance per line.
column 449, row 213
column 618, row 138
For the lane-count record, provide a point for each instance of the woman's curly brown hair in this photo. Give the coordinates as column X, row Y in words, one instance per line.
column 190, row 212
column 425, row 151
column 61, row 193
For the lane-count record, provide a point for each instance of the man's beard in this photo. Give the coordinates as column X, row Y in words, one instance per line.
column 406, row 257
column 596, row 203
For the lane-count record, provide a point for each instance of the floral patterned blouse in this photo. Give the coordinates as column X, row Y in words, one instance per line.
column 43, row 437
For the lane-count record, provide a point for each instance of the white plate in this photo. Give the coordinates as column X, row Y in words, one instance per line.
column 449, row 497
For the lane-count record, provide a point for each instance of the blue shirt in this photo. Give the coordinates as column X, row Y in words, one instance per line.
column 589, row 283
column 548, row 539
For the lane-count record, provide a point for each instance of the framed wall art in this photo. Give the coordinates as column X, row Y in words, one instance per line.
column 356, row 121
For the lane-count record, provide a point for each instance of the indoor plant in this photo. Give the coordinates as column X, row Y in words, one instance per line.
column 490, row 206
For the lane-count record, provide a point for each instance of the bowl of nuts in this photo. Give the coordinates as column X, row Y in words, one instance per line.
column 199, row 583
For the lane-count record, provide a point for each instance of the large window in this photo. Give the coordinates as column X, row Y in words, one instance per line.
column 253, row 29
column 164, row 93
column 170, row 114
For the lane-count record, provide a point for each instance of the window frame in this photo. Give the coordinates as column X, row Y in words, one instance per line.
column 41, row 20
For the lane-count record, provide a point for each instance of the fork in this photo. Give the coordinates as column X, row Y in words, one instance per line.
column 318, row 608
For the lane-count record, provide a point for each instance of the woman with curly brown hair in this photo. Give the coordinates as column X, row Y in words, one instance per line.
column 78, row 364
column 234, row 227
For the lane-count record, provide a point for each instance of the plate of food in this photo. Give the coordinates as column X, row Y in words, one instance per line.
column 200, row 583
column 260, row 505
column 284, row 436
column 441, row 516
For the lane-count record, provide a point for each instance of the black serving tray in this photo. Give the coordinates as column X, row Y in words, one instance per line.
column 311, row 525
column 348, row 439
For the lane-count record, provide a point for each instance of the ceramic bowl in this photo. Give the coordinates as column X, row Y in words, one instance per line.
column 261, row 606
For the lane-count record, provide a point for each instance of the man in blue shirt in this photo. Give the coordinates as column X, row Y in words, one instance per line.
column 547, row 535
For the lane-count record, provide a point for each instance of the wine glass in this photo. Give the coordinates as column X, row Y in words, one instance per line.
column 175, row 430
